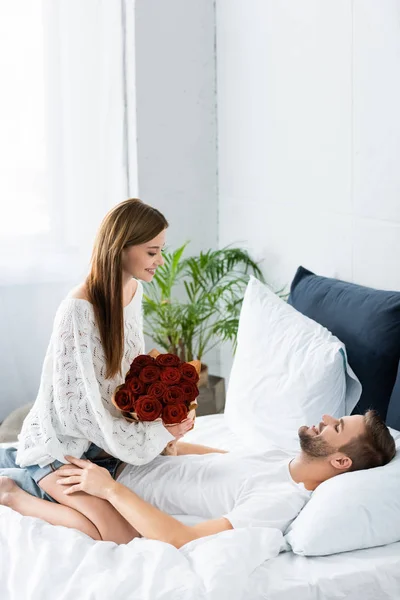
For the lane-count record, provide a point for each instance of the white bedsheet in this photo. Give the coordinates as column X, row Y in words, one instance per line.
column 40, row 562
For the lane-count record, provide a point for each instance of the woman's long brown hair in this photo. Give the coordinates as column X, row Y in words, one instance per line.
column 130, row 223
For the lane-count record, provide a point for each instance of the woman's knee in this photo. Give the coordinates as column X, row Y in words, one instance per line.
column 78, row 503
column 80, row 522
column 108, row 522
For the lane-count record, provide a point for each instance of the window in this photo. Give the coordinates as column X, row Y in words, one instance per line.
column 23, row 165
column 68, row 95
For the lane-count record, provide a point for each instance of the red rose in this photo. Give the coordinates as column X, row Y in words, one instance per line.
column 148, row 408
column 135, row 386
column 168, row 360
column 149, row 374
column 157, row 390
column 124, row 399
column 189, row 373
column 174, row 413
column 143, row 360
column 134, row 371
column 173, row 395
column 170, row 375
column 190, row 391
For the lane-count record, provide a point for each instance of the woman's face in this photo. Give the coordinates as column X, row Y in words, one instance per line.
column 142, row 261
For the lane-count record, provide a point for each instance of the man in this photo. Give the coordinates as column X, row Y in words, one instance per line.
column 267, row 489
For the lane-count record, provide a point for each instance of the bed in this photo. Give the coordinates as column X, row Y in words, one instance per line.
column 42, row 562
column 58, row 556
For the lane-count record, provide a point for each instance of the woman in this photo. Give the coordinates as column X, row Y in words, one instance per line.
column 97, row 333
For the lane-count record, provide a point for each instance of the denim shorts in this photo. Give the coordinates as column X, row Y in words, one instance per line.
column 28, row 477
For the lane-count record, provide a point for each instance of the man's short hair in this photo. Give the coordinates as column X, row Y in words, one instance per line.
column 374, row 448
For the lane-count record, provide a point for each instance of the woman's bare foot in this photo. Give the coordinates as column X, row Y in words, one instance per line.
column 8, row 491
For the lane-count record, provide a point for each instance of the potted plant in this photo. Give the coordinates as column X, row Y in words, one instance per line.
column 194, row 303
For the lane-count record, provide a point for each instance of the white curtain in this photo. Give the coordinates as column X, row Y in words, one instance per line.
column 67, row 155
column 69, row 149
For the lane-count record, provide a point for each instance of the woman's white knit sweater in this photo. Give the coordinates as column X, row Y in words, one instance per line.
column 73, row 407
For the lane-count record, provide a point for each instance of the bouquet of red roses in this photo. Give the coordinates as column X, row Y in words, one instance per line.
column 159, row 386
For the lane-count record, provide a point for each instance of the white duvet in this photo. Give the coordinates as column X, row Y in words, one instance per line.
column 42, row 562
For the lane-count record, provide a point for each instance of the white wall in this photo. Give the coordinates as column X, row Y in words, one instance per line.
column 176, row 120
column 176, row 116
column 26, row 317
column 309, row 136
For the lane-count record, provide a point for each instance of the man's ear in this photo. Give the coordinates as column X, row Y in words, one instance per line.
column 341, row 462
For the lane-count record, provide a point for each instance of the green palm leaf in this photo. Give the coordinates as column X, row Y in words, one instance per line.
column 206, row 312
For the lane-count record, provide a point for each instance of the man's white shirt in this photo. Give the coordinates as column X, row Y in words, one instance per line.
column 250, row 490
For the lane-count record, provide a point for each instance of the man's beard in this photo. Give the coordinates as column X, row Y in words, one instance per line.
column 313, row 446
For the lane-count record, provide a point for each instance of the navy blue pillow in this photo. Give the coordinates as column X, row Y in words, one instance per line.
column 367, row 321
column 393, row 415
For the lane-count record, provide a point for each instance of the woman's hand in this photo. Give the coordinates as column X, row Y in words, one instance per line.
column 179, row 430
column 86, row 477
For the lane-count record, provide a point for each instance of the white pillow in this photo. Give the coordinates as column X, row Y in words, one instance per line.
column 350, row 512
column 288, row 371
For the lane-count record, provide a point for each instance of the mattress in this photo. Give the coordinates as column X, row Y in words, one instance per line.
column 372, row 574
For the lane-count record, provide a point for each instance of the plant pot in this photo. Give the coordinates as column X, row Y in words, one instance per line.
column 203, row 381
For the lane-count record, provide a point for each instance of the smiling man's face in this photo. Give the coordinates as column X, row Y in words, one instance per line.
column 330, row 435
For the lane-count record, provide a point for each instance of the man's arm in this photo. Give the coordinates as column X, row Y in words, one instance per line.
column 186, row 448
column 85, row 476
column 154, row 524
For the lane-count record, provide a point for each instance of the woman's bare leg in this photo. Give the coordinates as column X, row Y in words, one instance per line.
column 110, row 524
column 14, row 497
